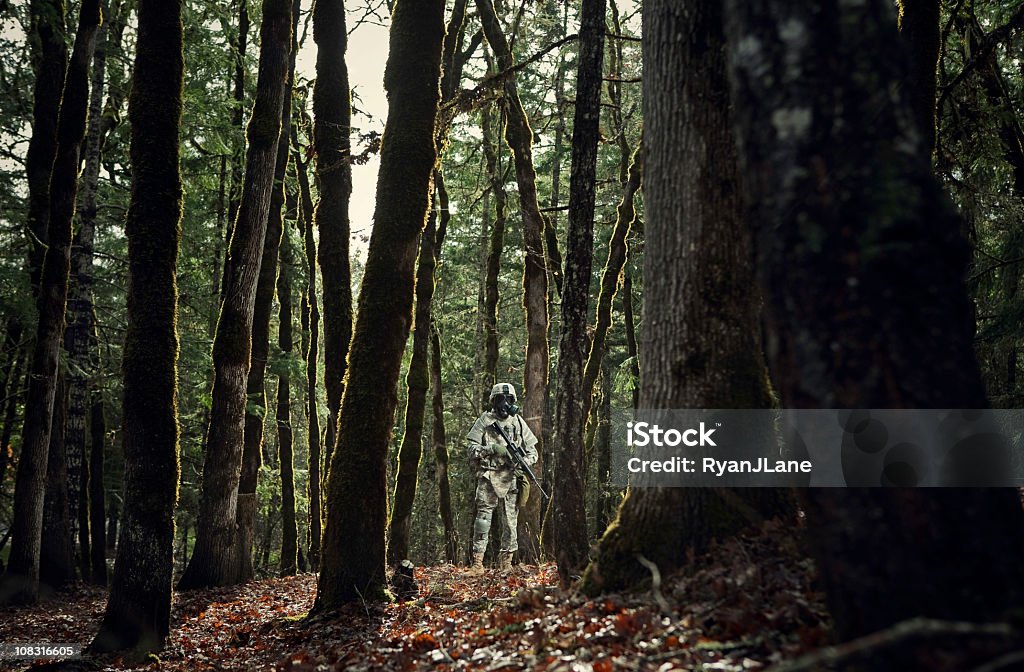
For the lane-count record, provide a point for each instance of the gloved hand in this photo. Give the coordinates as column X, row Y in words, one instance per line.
column 499, row 450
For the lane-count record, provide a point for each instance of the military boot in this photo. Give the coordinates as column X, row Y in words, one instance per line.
column 505, row 561
column 477, row 568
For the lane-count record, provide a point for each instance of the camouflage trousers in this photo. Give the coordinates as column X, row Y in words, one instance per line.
column 487, row 500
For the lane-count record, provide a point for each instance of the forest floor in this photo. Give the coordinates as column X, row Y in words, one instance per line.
column 750, row 603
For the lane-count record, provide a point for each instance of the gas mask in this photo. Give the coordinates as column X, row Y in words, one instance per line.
column 504, row 405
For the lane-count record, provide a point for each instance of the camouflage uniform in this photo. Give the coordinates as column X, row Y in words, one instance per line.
column 495, row 477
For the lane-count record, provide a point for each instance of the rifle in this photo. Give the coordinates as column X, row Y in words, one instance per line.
column 518, row 456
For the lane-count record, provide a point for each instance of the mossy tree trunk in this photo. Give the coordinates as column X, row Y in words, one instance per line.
column 702, row 350
column 519, row 136
column 611, row 277
column 879, row 238
column 631, row 344
column 418, row 376
column 311, row 319
column 357, row 481
column 566, row 521
column 21, row 582
column 213, row 562
column 256, row 394
column 332, row 128
column 139, row 607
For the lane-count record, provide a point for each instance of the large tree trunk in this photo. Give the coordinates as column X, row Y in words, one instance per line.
column 213, row 561
column 357, row 482
column 440, row 444
column 139, row 608
column 50, row 57
column 311, row 319
column 566, row 522
column 289, row 530
column 703, row 349
column 21, row 583
column 847, row 214
column 332, row 117
column 256, row 402
column 519, row 136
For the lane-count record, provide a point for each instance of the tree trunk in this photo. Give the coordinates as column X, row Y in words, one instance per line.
column 256, row 394
column 239, row 47
column 332, row 116
column 57, row 552
column 21, row 583
column 139, row 608
column 213, row 561
column 311, row 315
column 357, row 495
column 519, row 136
column 566, row 522
column 703, row 350
column 492, row 265
column 611, row 276
column 631, row 344
column 289, row 530
column 606, row 489
column 418, row 383
column 49, row 56
column 97, row 491
column 13, row 392
column 847, row 213
column 440, row 444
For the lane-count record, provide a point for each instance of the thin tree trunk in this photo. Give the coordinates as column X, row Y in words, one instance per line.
column 289, row 531
column 256, row 394
column 357, row 494
column 213, row 561
column 492, row 265
column 566, row 522
column 139, row 608
column 418, row 383
column 332, row 117
column 884, row 555
column 606, row 489
column 612, row 276
column 57, row 552
column 13, row 392
column 704, row 345
column 631, row 345
column 97, row 491
column 519, row 136
column 440, row 444
column 21, row 583
column 311, row 318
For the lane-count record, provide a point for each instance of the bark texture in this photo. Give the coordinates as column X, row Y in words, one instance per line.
column 701, row 337
column 357, row 482
column 332, row 117
column 139, row 608
column 566, row 523
column 289, row 530
column 21, row 582
column 861, row 259
column 440, row 445
column 213, row 562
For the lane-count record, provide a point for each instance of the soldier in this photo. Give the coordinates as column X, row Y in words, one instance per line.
column 496, row 479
